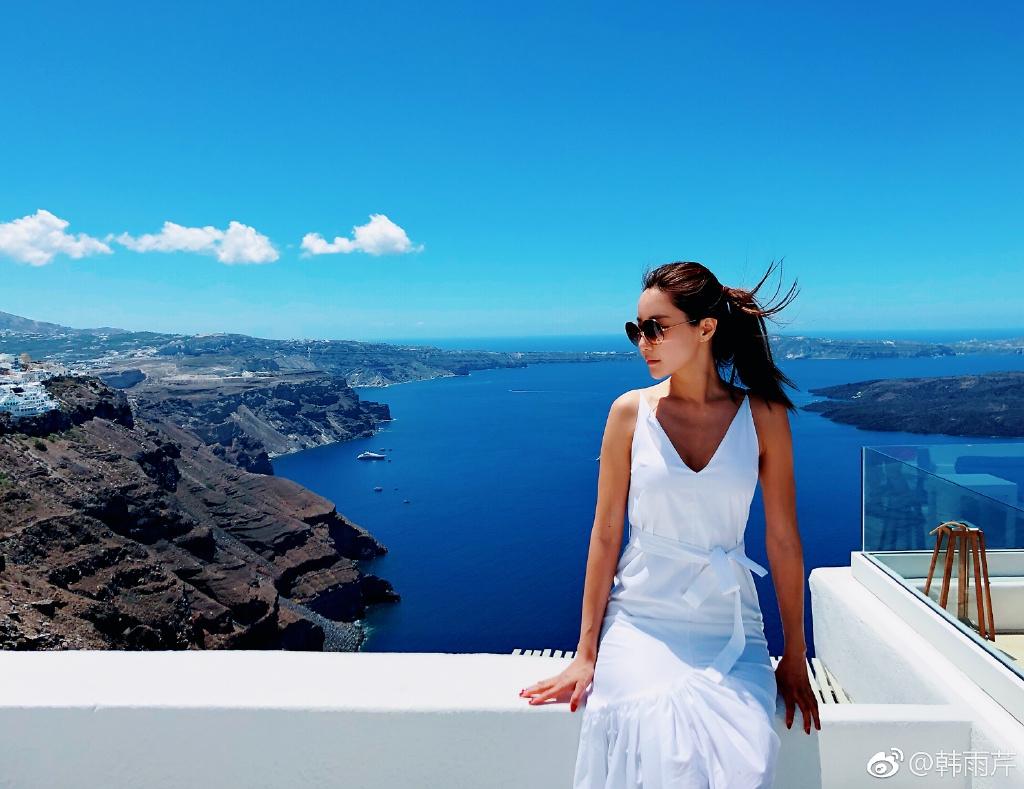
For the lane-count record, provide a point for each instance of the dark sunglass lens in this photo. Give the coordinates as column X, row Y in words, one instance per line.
column 652, row 330
column 633, row 332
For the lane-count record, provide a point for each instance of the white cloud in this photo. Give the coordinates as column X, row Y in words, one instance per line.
column 173, row 238
column 238, row 244
column 379, row 236
column 37, row 238
column 242, row 244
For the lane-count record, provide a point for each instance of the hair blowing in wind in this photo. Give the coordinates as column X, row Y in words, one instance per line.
column 740, row 341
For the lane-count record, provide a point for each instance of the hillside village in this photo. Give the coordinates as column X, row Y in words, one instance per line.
column 22, row 392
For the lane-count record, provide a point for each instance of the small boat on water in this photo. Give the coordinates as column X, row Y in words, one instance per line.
column 368, row 455
column 378, row 488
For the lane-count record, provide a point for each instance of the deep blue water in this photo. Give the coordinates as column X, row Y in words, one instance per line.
column 500, row 473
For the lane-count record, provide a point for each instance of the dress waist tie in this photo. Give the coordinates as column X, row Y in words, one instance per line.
column 717, row 573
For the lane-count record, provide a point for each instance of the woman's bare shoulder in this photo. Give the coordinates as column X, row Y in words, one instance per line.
column 623, row 413
column 771, row 419
column 766, row 410
column 618, row 431
column 626, row 404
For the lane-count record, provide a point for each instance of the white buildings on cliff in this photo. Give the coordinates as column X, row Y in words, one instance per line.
column 29, row 399
column 21, row 390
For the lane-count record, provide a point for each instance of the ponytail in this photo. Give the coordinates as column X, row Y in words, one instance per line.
column 740, row 341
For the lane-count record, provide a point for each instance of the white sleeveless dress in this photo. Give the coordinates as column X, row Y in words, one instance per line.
column 684, row 692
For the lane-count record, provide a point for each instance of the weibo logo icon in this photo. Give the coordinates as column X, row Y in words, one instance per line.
column 883, row 765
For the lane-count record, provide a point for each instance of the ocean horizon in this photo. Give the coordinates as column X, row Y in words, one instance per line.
column 578, row 343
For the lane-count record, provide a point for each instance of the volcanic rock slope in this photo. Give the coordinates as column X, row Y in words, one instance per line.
column 120, row 532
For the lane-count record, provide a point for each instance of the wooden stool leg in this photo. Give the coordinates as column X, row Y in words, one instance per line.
column 988, row 588
column 962, row 577
column 978, row 588
column 947, row 571
column 935, row 556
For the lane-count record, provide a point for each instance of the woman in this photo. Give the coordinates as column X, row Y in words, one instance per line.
column 683, row 693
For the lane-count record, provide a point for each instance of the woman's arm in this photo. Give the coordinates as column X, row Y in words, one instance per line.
column 606, row 533
column 785, row 555
column 605, row 542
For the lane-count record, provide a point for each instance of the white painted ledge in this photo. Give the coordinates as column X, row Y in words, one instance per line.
column 300, row 719
column 880, row 657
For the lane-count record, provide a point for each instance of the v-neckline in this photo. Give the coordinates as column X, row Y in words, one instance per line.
column 728, row 431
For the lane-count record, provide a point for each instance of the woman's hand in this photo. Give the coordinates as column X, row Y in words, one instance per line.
column 567, row 686
column 795, row 687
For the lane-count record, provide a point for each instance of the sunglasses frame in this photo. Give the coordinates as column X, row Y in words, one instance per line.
column 658, row 330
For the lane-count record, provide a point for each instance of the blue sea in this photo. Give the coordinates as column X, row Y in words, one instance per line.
column 490, row 490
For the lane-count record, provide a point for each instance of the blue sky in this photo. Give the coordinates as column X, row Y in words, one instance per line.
column 530, row 160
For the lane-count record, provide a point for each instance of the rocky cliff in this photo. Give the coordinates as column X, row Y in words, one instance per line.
column 247, row 421
column 119, row 531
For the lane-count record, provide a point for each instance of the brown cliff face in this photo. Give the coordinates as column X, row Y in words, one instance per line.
column 119, row 533
column 249, row 421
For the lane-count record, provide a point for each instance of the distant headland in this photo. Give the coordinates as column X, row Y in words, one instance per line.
column 990, row 404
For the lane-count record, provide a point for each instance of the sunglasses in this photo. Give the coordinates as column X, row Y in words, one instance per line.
column 651, row 330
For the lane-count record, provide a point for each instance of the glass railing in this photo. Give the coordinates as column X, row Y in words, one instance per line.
column 975, row 491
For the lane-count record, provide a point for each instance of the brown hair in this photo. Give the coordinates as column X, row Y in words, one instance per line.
column 741, row 339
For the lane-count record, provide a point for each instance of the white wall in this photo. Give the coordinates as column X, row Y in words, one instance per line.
column 879, row 657
column 299, row 719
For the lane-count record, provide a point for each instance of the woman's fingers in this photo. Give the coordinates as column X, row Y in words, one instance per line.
column 538, row 687
column 559, row 691
column 545, row 695
column 574, row 700
column 569, row 685
column 798, row 693
column 809, row 706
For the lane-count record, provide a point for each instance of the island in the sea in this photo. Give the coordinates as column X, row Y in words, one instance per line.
column 989, row 404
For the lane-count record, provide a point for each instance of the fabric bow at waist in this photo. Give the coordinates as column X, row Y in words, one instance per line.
column 716, row 574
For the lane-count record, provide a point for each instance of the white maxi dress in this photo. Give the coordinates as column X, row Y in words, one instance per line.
column 684, row 693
